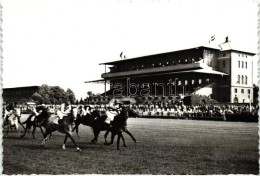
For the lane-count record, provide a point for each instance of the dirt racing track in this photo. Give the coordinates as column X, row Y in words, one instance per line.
column 165, row 146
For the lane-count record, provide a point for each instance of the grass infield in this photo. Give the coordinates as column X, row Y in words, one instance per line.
column 165, row 146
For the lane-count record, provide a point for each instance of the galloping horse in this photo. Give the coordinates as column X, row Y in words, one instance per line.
column 12, row 120
column 117, row 126
column 32, row 121
column 87, row 120
column 96, row 120
column 51, row 124
column 131, row 113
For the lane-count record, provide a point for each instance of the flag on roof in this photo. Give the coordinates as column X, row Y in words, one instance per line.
column 212, row 38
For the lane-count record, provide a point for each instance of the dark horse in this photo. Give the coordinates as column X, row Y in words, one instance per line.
column 96, row 120
column 116, row 127
column 32, row 121
column 87, row 120
column 50, row 123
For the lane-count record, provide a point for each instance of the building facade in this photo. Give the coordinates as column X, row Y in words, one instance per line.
column 224, row 75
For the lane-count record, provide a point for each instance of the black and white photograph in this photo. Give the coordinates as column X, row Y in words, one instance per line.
column 129, row 87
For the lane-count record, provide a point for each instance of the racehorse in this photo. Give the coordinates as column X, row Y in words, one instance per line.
column 51, row 124
column 98, row 118
column 32, row 121
column 12, row 120
column 87, row 120
column 116, row 127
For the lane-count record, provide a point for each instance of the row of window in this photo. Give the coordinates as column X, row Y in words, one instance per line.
column 242, row 55
column 242, row 64
column 242, row 90
column 153, row 65
column 241, row 79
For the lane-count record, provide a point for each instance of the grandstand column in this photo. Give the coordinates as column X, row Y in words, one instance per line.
column 105, row 94
column 175, row 85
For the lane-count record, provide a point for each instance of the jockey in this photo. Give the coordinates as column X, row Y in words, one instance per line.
column 112, row 112
column 41, row 108
column 10, row 109
column 65, row 109
column 88, row 109
column 82, row 111
column 40, row 111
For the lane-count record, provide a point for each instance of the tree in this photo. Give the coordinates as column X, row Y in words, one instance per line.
column 89, row 93
column 81, row 101
column 53, row 95
column 37, row 98
column 71, row 96
column 59, row 94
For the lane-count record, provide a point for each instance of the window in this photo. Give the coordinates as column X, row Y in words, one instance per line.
column 242, row 80
column 224, row 64
column 242, row 90
column 242, row 64
column 248, row 91
column 238, row 64
column 179, row 82
column 186, row 82
column 235, row 90
column 192, row 81
column 238, row 79
column 245, row 79
column 224, row 55
column 246, row 64
column 200, row 81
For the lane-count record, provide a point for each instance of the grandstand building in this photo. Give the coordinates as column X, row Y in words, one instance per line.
column 225, row 75
column 19, row 94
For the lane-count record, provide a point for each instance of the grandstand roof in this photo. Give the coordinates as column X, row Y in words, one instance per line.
column 159, row 54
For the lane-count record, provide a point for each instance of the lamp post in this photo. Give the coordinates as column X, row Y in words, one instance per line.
column 175, row 85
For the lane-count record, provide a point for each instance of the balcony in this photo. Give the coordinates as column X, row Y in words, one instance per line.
column 154, row 71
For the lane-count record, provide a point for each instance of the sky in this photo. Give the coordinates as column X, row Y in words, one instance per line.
column 62, row 42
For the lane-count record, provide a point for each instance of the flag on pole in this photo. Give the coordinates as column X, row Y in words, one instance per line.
column 212, row 38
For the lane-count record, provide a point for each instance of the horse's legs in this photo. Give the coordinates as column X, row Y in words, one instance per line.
column 119, row 135
column 107, row 132
column 17, row 128
column 112, row 138
column 77, row 129
column 42, row 131
column 130, row 134
column 34, row 128
column 68, row 135
column 7, row 131
column 96, row 133
column 123, row 139
column 45, row 136
column 65, row 140
column 24, row 132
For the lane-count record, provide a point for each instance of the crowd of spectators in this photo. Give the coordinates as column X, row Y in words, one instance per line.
column 190, row 111
column 174, row 110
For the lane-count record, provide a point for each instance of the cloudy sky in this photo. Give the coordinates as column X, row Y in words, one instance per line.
column 62, row 42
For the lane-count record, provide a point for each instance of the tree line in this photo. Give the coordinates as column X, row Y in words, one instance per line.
column 53, row 95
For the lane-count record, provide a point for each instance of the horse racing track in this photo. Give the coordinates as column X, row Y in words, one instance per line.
column 165, row 146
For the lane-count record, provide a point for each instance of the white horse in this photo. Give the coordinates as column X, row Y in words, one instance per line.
column 12, row 120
